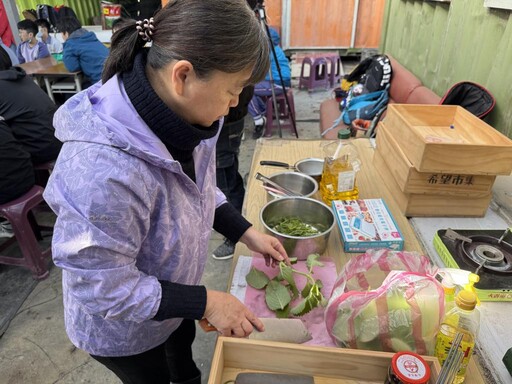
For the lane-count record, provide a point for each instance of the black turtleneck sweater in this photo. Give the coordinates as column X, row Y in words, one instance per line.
column 180, row 138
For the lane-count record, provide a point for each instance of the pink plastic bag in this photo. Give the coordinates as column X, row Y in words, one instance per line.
column 386, row 301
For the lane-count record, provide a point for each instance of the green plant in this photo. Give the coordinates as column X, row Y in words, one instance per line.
column 282, row 290
column 293, row 226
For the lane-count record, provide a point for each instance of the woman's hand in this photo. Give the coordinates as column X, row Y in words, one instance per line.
column 231, row 318
column 271, row 249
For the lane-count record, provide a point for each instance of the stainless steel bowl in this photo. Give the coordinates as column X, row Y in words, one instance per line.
column 312, row 167
column 300, row 183
column 309, row 211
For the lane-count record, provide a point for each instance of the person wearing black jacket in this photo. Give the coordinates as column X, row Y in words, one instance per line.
column 26, row 130
column 229, row 180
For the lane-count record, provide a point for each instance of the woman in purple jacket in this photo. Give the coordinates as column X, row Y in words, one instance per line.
column 134, row 190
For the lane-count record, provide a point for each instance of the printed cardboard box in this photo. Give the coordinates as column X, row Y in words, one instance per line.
column 365, row 224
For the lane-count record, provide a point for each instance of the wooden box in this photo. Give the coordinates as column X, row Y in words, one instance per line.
column 449, row 139
column 326, row 365
column 414, row 204
column 411, row 181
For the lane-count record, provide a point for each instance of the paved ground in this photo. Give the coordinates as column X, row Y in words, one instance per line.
column 35, row 348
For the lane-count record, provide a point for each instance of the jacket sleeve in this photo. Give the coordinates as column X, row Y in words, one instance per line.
column 70, row 58
column 42, row 50
column 103, row 217
column 21, row 59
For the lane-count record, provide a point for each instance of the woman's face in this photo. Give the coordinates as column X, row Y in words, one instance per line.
column 196, row 100
column 211, row 98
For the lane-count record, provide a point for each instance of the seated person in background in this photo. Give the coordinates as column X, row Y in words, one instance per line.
column 257, row 106
column 53, row 45
column 16, row 173
column 26, row 134
column 82, row 50
column 28, row 112
column 30, row 49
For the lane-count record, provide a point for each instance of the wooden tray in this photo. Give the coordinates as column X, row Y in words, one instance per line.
column 411, row 181
column 413, row 204
column 449, row 139
column 326, row 365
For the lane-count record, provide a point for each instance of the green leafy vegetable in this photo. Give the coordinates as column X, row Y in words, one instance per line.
column 257, row 279
column 281, row 290
column 293, row 226
column 277, row 295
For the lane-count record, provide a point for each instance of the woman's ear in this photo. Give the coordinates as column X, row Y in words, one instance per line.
column 182, row 74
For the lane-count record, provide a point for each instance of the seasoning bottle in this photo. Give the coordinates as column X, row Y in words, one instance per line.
column 341, row 165
column 463, row 318
column 408, row 368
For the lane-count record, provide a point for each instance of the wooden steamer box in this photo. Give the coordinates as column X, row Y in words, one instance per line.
column 326, row 365
column 411, row 181
column 434, row 169
column 449, row 139
column 416, row 204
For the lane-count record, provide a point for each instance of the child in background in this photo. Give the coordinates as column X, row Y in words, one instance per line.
column 135, row 195
column 54, row 45
column 82, row 50
column 30, row 49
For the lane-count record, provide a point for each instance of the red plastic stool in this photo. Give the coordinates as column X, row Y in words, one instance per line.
column 283, row 113
column 19, row 214
column 318, row 76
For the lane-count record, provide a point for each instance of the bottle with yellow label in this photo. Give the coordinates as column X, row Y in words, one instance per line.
column 463, row 318
column 341, row 164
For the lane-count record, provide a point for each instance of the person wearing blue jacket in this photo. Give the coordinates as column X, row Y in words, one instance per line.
column 82, row 50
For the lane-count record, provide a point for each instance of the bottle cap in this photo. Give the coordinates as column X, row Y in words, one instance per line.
column 344, row 134
column 466, row 300
column 410, row 367
column 448, row 285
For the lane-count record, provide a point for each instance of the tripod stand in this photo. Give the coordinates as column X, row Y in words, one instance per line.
column 260, row 10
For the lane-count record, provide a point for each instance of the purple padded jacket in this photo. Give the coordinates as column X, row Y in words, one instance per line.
column 127, row 217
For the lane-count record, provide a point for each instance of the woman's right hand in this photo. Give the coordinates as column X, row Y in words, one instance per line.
column 231, row 318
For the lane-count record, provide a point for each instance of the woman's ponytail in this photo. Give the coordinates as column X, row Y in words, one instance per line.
column 125, row 45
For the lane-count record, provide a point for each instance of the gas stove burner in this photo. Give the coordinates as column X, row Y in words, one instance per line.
column 486, row 252
column 489, row 254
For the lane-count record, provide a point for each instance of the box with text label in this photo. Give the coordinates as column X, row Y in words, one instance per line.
column 365, row 224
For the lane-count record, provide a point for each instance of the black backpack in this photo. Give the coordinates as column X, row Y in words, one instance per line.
column 66, row 12
column 47, row 12
column 471, row 96
column 374, row 73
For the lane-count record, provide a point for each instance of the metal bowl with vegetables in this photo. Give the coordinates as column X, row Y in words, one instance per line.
column 301, row 224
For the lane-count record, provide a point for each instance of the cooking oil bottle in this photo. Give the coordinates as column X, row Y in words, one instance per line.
column 341, row 165
column 463, row 318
